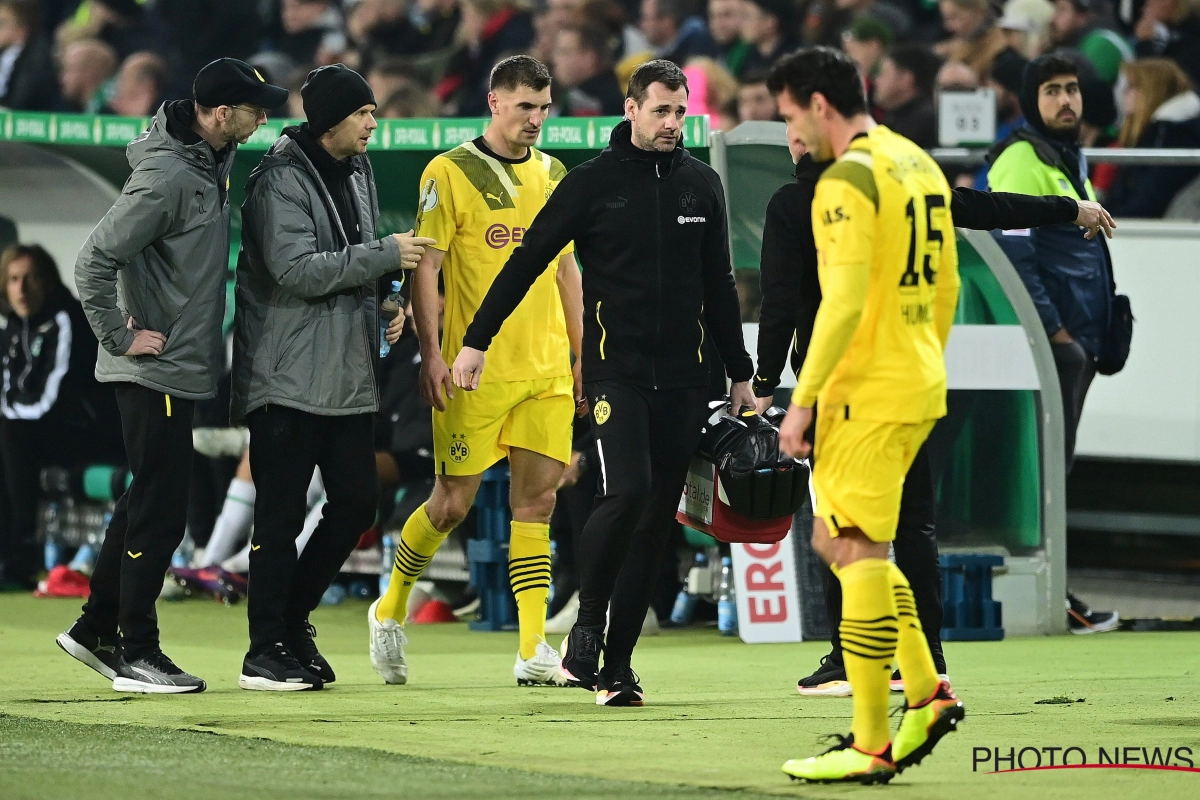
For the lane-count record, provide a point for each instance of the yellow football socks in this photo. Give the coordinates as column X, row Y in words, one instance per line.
column 529, row 574
column 868, row 633
column 419, row 540
column 912, row 649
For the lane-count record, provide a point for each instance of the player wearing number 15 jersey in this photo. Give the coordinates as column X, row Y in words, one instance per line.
column 888, row 271
column 476, row 203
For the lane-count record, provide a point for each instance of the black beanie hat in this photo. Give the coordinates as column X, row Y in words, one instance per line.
column 331, row 94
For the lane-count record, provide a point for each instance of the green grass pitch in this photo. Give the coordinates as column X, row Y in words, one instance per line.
column 721, row 718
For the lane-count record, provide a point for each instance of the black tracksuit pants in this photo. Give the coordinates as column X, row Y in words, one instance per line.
column 148, row 521
column 1076, row 369
column 916, row 556
column 285, row 445
column 645, row 439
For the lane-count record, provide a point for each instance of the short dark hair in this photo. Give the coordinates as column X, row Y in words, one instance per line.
column 1055, row 64
column 920, row 61
column 659, row 70
column 592, row 38
column 45, row 270
column 820, row 69
column 517, row 71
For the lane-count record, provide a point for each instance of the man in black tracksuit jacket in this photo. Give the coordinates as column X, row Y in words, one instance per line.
column 791, row 296
column 649, row 227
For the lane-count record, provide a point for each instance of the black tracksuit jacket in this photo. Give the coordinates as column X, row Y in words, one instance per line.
column 650, row 235
column 790, row 289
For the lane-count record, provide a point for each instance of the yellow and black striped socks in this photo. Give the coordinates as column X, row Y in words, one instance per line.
column 419, row 540
column 529, row 574
column 912, row 649
column 869, row 634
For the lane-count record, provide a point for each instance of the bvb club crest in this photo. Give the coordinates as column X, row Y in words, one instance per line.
column 459, row 451
column 602, row 411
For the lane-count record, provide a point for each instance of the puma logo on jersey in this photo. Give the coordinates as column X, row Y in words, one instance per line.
column 490, row 196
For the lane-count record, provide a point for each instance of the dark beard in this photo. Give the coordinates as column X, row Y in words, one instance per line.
column 1065, row 135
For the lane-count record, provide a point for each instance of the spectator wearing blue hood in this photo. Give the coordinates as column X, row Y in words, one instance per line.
column 1067, row 276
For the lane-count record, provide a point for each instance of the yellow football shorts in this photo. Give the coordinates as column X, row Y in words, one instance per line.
column 858, row 472
column 477, row 428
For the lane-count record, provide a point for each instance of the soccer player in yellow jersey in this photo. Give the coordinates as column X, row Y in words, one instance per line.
column 888, row 269
column 476, row 202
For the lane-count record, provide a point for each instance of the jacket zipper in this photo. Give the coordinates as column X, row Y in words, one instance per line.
column 331, row 209
column 658, row 296
column 28, row 356
column 603, row 333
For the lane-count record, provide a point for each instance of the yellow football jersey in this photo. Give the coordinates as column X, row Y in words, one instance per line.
column 888, row 267
column 477, row 207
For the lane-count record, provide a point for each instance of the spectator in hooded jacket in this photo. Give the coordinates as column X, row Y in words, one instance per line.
column 1160, row 110
column 47, row 352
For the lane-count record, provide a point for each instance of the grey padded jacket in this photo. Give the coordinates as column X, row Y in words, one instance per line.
column 306, row 332
column 161, row 256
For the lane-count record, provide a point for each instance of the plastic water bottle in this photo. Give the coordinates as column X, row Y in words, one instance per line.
column 685, row 601
column 182, row 557
column 335, row 594
column 389, row 309
column 389, row 557
column 84, row 560
column 726, row 603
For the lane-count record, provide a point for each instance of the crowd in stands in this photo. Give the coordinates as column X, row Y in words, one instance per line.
column 428, row 58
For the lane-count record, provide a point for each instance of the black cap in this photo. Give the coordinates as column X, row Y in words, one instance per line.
column 229, row 82
column 331, row 94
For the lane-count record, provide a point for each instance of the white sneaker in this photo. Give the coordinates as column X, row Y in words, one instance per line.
column 387, row 648
column 541, row 670
column 565, row 618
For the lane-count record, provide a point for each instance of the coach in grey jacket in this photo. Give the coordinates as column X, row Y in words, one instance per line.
column 151, row 278
column 304, row 360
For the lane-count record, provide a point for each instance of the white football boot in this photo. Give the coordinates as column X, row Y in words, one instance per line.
column 387, row 648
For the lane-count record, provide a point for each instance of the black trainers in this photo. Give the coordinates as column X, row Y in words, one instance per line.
column 99, row 653
column 154, row 673
column 275, row 669
column 618, row 686
column 829, row 679
column 581, row 657
column 300, row 643
column 1082, row 619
